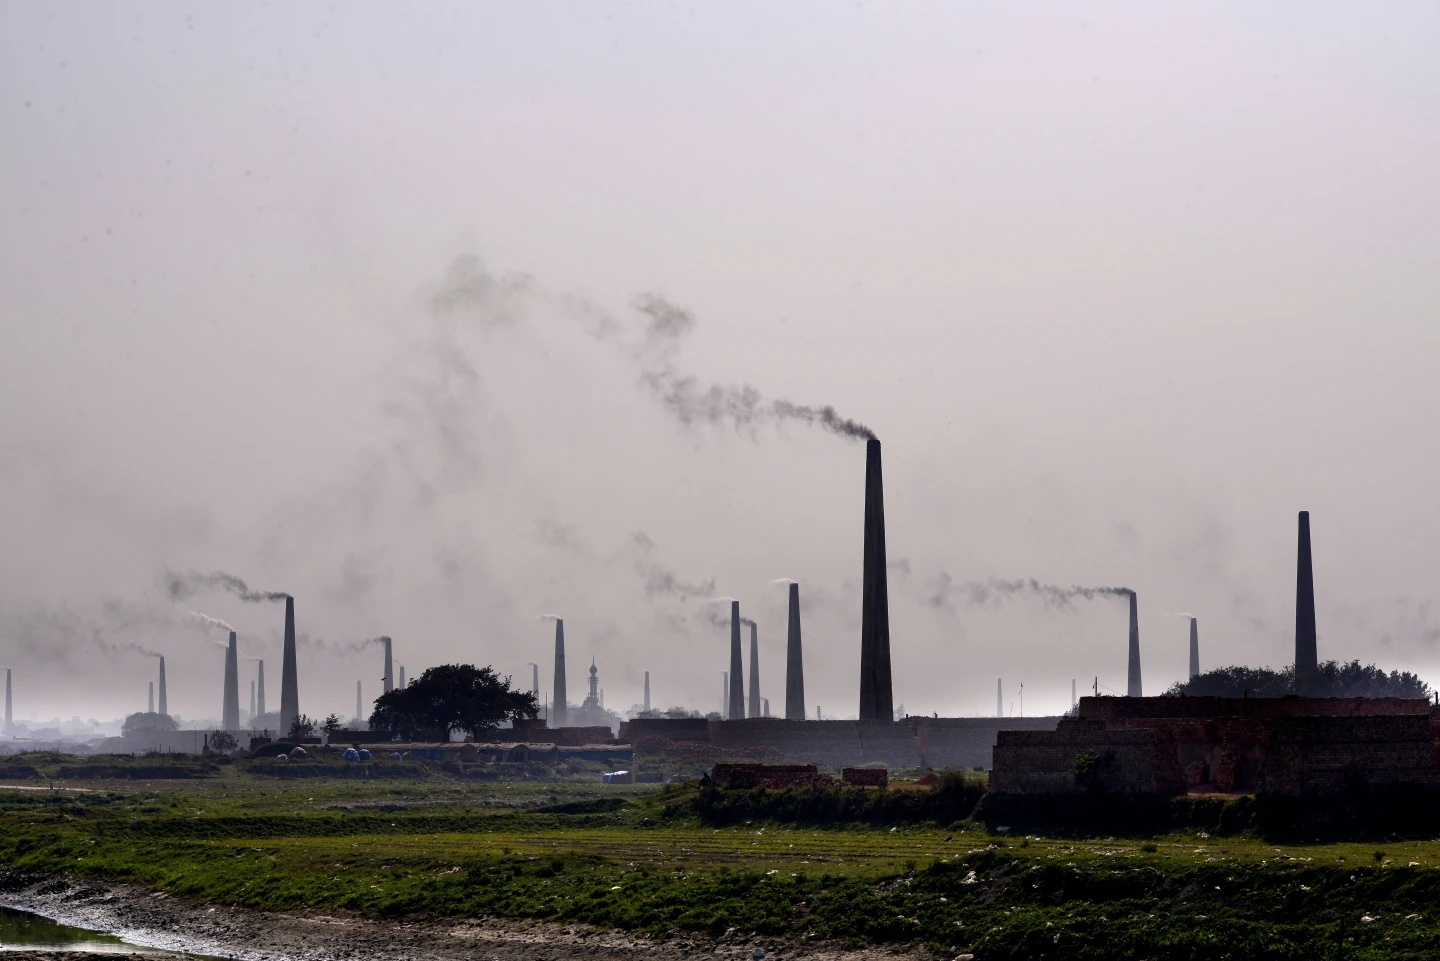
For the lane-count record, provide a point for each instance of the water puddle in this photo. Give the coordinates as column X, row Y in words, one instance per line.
column 23, row 931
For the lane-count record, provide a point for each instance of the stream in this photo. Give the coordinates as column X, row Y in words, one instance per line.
column 23, row 931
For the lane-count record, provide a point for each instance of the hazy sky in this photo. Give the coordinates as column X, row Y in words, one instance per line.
column 1120, row 286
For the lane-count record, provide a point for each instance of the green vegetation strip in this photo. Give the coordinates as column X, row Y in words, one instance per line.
column 644, row 859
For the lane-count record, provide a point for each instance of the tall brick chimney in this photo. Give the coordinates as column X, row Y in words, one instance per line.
column 260, row 689
column 1133, row 688
column 999, row 699
column 150, row 704
column 558, row 713
column 794, row 663
column 736, row 707
column 230, row 707
column 359, row 703
column 164, row 702
column 387, row 672
column 1307, row 666
column 289, row 674
column 876, row 698
column 754, row 672
column 1194, row 647
column 252, row 704
column 647, row 691
column 9, row 703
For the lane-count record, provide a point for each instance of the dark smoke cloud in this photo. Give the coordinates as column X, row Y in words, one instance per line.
column 44, row 635
column 660, row 581
column 944, row 593
column 183, row 586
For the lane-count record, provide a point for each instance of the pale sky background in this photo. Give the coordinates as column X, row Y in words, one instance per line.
column 1120, row 286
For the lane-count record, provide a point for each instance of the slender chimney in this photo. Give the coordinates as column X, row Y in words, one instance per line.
column 230, row 707
column 647, row 691
column 999, row 700
column 252, row 704
column 9, row 704
column 1074, row 700
column 794, row 663
column 387, row 677
column 736, row 707
column 558, row 710
column 535, row 679
column 1194, row 647
column 765, row 711
column 754, row 672
column 164, row 702
column 289, row 674
column 358, row 704
column 1132, row 688
column 402, row 676
column 260, row 689
column 1307, row 665
column 876, row 701
column 150, row 704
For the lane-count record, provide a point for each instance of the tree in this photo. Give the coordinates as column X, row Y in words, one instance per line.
column 223, row 742
column 1334, row 679
column 333, row 725
column 451, row 698
column 148, row 721
column 302, row 726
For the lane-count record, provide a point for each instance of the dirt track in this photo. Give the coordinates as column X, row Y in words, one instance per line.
column 154, row 920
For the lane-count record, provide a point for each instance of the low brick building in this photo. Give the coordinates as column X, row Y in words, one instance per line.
column 1171, row 745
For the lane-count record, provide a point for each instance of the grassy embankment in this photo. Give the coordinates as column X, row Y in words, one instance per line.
column 655, row 860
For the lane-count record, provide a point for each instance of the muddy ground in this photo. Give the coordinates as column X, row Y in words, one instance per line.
column 155, row 920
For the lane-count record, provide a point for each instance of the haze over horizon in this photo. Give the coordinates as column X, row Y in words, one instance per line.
column 380, row 308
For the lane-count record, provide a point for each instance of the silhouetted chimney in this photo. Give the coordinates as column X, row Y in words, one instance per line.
column 230, row 707
column 1074, row 700
column 260, row 689
column 558, row 709
column 754, row 672
column 1307, row 666
column 252, row 703
column 1194, row 647
column 999, row 699
column 387, row 675
column 1132, row 688
column 535, row 679
column 150, row 703
column 876, row 699
column 402, row 676
column 164, row 702
column 289, row 674
column 9, row 704
column 794, row 663
column 647, row 691
column 736, row 708
column 358, row 703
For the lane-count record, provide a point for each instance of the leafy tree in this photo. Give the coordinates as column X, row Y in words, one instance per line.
column 675, row 713
column 302, row 726
column 451, row 698
column 1335, row 679
column 148, row 721
column 332, row 725
column 223, row 742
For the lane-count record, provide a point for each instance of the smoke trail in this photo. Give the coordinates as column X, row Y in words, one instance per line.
column 1181, row 614
column 183, row 586
column 784, row 580
column 660, row 581
column 550, row 617
column 945, row 593
column 205, row 620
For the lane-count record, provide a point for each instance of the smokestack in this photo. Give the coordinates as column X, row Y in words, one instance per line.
column 558, row 710
column 402, row 676
column 876, row 700
column 164, row 703
column 1132, row 688
column 754, row 672
column 260, row 690
column 150, row 704
column 1307, row 665
column 230, row 707
column 289, row 675
column 1194, row 647
column 647, row 690
column 252, row 704
column 358, row 703
column 387, row 676
column 765, row 712
column 999, row 700
column 736, row 707
column 1074, row 700
column 794, row 663
column 9, row 705
column 535, row 679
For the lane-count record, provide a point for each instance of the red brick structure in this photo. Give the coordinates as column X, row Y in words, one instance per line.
column 865, row 777
column 773, row 776
column 1170, row 745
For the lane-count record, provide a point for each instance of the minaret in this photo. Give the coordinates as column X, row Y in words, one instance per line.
column 794, row 663
column 150, row 704
column 876, row 699
column 1307, row 666
column 260, row 689
column 647, row 691
column 230, row 707
column 754, row 672
column 736, row 707
column 558, row 710
column 387, row 678
column 1132, row 688
column 289, row 674
column 164, row 702
column 1194, row 647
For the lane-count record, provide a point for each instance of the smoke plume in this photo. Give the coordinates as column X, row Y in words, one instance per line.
column 205, row 620
column 660, row 581
column 183, row 586
column 946, row 594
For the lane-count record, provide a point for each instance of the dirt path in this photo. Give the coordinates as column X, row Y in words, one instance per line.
column 155, row 920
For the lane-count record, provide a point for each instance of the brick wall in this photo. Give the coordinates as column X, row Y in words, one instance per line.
column 1114, row 708
column 865, row 776
column 671, row 729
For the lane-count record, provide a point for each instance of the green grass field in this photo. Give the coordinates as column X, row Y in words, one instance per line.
column 644, row 858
